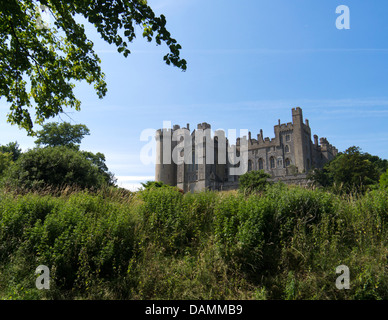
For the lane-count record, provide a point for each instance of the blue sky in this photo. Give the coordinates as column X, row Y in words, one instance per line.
column 249, row 63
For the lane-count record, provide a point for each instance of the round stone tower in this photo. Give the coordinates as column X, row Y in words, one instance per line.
column 165, row 168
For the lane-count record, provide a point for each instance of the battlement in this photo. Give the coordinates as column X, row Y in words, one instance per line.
column 203, row 126
column 326, row 146
column 285, row 126
column 296, row 110
column 291, row 147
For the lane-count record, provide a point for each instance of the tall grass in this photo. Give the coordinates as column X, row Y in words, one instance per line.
column 284, row 243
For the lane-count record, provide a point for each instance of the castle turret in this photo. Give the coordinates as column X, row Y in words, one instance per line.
column 299, row 139
column 165, row 168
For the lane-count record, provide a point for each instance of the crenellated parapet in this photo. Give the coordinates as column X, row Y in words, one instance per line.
column 291, row 151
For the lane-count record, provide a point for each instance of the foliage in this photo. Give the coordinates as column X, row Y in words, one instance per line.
column 153, row 184
column 54, row 166
column 384, row 180
column 13, row 148
column 39, row 64
column 253, row 181
column 55, row 134
column 5, row 161
column 157, row 243
column 351, row 171
column 67, row 135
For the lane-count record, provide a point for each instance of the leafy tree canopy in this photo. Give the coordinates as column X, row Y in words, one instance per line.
column 13, row 148
column 65, row 134
column 54, row 166
column 61, row 134
column 350, row 171
column 253, row 181
column 384, row 180
column 38, row 64
column 5, row 161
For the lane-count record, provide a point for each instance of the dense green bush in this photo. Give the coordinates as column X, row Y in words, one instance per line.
column 54, row 166
column 175, row 221
column 83, row 239
column 249, row 229
column 384, row 180
column 253, row 181
column 240, row 228
column 284, row 243
column 351, row 171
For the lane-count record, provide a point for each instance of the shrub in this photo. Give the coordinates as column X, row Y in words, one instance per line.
column 161, row 213
column 5, row 161
column 253, row 181
column 384, row 180
column 54, row 166
column 84, row 240
column 241, row 229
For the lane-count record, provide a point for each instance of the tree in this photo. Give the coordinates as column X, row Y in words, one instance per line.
column 98, row 159
column 5, row 161
column 384, row 180
column 39, row 64
column 62, row 134
column 349, row 171
column 54, row 166
column 13, row 148
column 253, row 181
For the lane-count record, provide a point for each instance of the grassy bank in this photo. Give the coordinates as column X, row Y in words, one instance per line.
column 159, row 244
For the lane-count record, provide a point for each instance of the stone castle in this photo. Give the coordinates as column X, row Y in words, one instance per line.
column 286, row 157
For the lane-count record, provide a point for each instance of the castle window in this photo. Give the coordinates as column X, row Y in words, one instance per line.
column 261, row 164
column 249, row 165
column 288, row 162
column 280, row 162
column 288, row 137
column 286, row 148
column 272, row 162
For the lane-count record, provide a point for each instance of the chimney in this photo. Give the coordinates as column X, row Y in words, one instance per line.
column 315, row 139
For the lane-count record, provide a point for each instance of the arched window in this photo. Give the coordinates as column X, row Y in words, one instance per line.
column 286, row 148
column 249, row 165
column 261, row 164
column 287, row 162
column 272, row 162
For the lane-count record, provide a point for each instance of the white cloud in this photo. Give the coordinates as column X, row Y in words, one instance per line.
column 132, row 183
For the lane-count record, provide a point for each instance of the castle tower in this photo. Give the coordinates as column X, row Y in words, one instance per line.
column 299, row 139
column 165, row 168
